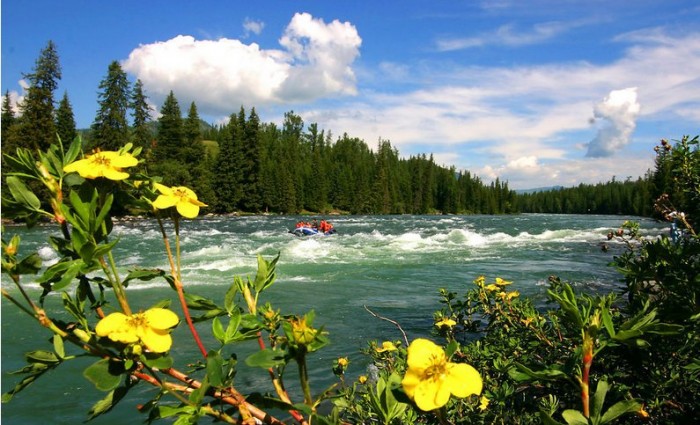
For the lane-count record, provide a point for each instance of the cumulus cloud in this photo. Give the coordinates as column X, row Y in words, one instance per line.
column 617, row 114
column 314, row 62
column 16, row 98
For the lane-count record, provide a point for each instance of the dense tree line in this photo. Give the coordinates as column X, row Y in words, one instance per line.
column 614, row 197
column 251, row 166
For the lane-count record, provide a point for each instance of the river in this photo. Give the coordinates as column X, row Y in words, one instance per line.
column 391, row 265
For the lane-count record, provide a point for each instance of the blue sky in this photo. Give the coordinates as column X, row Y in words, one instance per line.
column 538, row 93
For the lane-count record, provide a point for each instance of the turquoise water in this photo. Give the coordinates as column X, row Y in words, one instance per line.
column 393, row 265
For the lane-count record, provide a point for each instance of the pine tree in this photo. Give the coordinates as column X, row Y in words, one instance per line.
column 170, row 132
column 65, row 122
column 37, row 127
column 193, row 152
column 252, row 157
column 227, row 172
column 142, row 135
column 110, row 128
column 8, row 115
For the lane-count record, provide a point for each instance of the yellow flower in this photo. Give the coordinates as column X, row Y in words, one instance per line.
column 527, row 321
column 479, row 281
column 501, row 282
column 484, row 403
column 445, row 321
column 180, row 197
column 642, row 413
column 512, row 294
column 430, row 379
column 362, row 379
column 302, row 333
column 386, row 346
column 107, row 164
column 150, row 328
column 492, row 287
column 343, row 361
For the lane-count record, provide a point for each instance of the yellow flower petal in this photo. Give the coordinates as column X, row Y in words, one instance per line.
column 386, row 346
column 165, row 190
column 187, row 209
column 409, row 383
column 422, row 353
column 161, row 318
column 428, row 395
column 121, row 160
column 107, row 164
column 114, row 174
column 463, row 380
column 430, row 379
column 155, row 341
column 111, row 323
column 163, row 202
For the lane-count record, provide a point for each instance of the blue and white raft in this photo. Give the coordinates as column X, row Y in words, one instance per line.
column 310, row 231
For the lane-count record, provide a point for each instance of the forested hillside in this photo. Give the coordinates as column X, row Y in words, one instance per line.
column 246, row 165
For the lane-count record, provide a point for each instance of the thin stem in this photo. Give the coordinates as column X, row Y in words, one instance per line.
column 304, row 376
column 176, row 220
column 180, row 291
column 234, row 399
column 395, row 323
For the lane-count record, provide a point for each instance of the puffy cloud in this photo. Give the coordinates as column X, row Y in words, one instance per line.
column 618, row 111
column 221, row 75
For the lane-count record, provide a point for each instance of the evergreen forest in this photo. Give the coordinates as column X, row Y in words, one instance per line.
column 248, row 166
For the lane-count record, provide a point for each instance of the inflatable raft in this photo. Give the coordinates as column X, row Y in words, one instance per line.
column 310, row 231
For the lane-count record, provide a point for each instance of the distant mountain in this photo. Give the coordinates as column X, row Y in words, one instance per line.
column 538, row 189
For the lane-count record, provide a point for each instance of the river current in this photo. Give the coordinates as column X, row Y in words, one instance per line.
column 392, row 265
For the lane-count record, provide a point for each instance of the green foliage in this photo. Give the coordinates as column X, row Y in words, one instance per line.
column 110, row 128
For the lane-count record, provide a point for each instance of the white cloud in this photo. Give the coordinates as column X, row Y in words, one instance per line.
column 530, row 172
column 491, row 119
column 618, row 113
column 17, row 98
column 251, row 26
column 221, row 75
column 509, row 35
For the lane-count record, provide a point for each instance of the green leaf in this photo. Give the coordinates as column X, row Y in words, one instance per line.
column 103, row 249
column 215, row 366
column 58, row 346
column 35, row 371
column 165, row 411
column 106, row 207
column 547, row 420
column 607, row 322
column 82, row 212
column 72, row 152
column 158, row 360
column 266, row 273
column 599, row 399
column 106, row 404
column 266, row 358
column 29, row 265
column 217, row 330
column 620, row 408
column 230, row 297
column 22, row 194
column 143, row 274
column 574, row 417
column 41, row 356
column 104, row 374
column 524, row 373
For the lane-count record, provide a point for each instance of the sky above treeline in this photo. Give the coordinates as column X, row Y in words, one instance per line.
column 535, row 92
